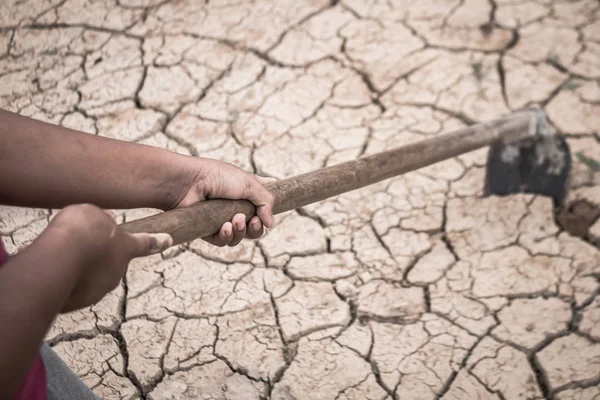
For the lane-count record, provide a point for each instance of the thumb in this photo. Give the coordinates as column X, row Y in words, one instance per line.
column 260, row 196
column 145, row 244
column 265, row 180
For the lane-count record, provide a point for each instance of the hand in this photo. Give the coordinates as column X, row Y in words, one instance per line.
column 217, row 179
column 102, row 251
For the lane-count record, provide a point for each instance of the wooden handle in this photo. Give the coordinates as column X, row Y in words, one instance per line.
column 206, row 218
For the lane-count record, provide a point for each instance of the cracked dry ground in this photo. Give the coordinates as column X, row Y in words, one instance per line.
column 415, row 288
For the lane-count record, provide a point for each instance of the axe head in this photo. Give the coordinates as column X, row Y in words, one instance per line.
column 540, row 164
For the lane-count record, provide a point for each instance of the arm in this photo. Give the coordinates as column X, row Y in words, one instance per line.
column 80, row 257
column 52, row 166
column 28, row 306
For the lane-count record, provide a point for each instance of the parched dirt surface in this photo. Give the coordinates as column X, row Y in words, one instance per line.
column 415, row 288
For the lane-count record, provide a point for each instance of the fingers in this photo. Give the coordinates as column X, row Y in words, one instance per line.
column 255, row 228
column 239, row 229
column 223, row 237
column 232, row 233
column 261, row 198
column 145, row 244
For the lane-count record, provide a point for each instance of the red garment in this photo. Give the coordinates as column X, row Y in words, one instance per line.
column 34, row 387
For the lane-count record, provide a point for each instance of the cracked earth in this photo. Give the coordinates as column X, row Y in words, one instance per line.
column 414, row 288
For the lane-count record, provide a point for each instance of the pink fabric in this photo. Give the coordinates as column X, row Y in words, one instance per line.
column 34, row 387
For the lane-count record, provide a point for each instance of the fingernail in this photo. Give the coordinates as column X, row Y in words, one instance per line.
column 240, row 225
column 159, row 242
column 154, row 245
column 269, row 222
column 256, row 225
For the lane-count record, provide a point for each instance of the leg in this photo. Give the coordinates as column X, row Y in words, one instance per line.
column 63, row 384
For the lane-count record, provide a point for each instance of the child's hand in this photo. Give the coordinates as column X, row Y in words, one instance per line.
column 102, row 251
column 217, row 179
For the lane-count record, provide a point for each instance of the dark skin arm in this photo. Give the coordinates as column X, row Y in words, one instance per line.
column 51, row 167
column 80, row 257
column 26, row 318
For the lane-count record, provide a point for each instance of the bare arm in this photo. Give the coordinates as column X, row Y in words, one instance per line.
column 80, row 257
column 34, row 285
column 49, row 166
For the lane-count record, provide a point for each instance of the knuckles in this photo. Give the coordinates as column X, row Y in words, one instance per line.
column 83, row 221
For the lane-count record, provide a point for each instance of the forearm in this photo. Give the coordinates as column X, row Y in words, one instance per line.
column 34, row 285
column 49, row 166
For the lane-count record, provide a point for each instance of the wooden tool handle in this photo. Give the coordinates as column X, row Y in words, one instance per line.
column 206, row 218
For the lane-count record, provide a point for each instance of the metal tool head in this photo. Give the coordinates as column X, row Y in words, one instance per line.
column 540, row 164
